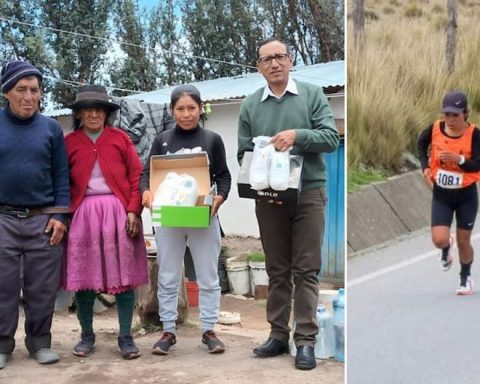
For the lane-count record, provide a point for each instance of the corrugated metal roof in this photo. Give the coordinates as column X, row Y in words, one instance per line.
column 325, row 75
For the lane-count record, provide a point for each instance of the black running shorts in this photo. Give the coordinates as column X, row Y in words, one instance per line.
column 463, row 202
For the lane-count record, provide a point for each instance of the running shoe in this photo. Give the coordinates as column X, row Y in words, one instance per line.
column 214, row 344
column 446, row 262
column 162, row 346
column 465, row 288
column 127, row 347
column 85, row 345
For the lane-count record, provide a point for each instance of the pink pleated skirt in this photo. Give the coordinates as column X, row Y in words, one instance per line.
column 99, row 255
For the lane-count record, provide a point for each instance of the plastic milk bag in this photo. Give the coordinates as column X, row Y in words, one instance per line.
column 186, row 191
column 176, row 190
column 279, row 170
column 260, row 164
column 165, row 193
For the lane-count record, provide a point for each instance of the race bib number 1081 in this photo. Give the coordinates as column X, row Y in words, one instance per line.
column 449, row 180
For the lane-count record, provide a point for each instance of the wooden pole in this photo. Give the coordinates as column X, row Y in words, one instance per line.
column 147, row 304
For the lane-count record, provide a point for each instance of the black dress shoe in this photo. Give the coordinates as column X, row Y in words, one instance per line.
column 305, row 358
column 272, row 347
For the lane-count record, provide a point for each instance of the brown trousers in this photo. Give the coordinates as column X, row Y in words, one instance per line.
column 291, row 235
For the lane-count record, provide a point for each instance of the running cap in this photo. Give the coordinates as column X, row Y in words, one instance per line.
column 454, row 102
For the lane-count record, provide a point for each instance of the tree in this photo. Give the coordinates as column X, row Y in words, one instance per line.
column 451, row 34
column 22, row 41
column 78, row 58
column 138, row 69
column 222, row 30
column 177, row 41
column 165, row 31
column 312, row 28
column 358, row 25
column 327, row 29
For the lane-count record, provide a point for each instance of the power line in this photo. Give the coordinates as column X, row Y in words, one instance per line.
column 77, row 84
column 124, row 43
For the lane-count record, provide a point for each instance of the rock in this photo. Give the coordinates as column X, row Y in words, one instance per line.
column 64, row 300
column 106, row 299
column 240, row 297
column 98, row 306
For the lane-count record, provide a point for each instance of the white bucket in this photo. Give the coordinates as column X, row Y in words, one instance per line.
column 258, row 274
column 238, row 277
column 326, row 296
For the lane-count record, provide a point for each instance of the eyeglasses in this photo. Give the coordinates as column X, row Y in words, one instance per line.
column 279, row 58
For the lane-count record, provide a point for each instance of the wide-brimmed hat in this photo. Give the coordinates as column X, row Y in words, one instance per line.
column 90, row 96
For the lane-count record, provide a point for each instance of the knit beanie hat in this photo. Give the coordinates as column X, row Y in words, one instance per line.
column 15, row 70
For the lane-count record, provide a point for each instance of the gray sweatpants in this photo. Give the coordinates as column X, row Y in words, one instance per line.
column 26, row 238
column 204, row 244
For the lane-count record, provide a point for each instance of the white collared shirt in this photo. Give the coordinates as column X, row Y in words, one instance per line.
column 291, row 87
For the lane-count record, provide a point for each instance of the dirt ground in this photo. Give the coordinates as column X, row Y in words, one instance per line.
column 188, row 362
column 236, row 245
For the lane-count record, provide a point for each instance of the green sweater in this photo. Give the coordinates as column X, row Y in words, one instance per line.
column 309, row 113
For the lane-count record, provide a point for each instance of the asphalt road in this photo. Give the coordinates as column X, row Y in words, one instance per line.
column 405, row 324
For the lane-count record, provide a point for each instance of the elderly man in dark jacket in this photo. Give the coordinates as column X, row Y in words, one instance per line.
column 34, row 200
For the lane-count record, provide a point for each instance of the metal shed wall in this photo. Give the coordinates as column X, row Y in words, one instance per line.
column 333, row 249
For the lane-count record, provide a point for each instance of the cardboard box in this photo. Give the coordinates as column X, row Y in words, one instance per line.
column 195, row 165
column 294, row 186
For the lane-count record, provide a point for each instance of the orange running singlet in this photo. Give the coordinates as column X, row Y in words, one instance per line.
column 450, row 175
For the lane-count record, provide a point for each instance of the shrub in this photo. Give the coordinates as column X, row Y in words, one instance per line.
column 388, row 10
column 437, row 8
column 413, row 12
column 370, row 15
column 256, row 256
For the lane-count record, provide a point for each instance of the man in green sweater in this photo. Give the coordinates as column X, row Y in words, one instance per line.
column 298, row 118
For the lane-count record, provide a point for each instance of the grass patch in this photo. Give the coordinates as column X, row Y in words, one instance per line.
column 370, row 15
column 148, row 328
column 414, row 11
column 256, row 257
column 358, row 178
column 388, row 10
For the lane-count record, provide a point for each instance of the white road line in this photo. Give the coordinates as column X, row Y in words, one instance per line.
column 398, row 266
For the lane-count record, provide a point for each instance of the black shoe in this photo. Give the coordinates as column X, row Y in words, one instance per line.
column 85, row 345
column 127, row 347
column 162, row 346
column 305, row 358
column 272, row 347
column 213, row 343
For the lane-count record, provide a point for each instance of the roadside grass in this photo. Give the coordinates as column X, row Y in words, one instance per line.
column 358, row 178
column 395, row 86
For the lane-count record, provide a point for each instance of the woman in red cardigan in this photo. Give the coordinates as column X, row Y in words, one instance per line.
column 106, row 248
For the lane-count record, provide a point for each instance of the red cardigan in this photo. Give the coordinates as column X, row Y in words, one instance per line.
column 117, row 159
